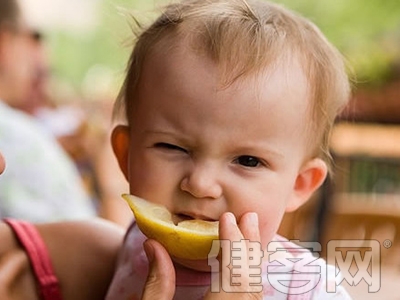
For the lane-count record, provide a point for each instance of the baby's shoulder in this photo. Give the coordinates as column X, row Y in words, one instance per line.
column 293, row 250
column 133, row 239
column 301, row 262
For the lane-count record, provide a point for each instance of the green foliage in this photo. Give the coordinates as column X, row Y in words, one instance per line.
column 366, row 32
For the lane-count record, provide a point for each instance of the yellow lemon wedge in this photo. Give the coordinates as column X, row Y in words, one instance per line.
column 189, row 239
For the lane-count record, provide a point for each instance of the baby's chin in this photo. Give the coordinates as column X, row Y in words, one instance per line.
column 201, row 265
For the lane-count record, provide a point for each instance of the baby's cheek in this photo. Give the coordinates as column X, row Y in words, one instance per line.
column 268, row 230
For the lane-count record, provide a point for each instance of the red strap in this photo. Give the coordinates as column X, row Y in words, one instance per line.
column 39, row 257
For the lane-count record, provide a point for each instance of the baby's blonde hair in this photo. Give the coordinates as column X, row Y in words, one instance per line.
column 245, row 37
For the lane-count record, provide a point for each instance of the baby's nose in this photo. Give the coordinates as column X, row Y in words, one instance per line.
column 202, row 182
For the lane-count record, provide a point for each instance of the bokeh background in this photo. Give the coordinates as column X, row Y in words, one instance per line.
column 87, row 39
column 88, row 44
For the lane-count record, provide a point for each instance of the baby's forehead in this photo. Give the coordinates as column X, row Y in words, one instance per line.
column 184, row 71
column 231, row 71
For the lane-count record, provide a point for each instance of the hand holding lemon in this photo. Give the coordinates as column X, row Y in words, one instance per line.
column 189, row 239
column 160, row 282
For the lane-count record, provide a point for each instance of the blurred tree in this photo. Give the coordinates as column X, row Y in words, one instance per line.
column 75, row 55
column 367, row 32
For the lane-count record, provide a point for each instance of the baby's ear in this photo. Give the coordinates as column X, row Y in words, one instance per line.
column 310, row 178
column 120, row 145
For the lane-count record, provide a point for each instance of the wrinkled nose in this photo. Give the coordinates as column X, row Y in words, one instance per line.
column 202, row 182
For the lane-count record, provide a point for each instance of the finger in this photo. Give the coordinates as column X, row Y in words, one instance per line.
column 228, row 232
column 228, row 228
column 160, row 283
column 248, row 226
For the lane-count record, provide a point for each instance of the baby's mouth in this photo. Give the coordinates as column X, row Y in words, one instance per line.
column 179, row 217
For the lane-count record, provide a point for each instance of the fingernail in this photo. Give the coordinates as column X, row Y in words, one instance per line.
column 253, row 217
column 231, row 218
column 149, row 251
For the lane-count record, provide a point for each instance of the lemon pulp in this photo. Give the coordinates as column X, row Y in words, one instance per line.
column 189, row 239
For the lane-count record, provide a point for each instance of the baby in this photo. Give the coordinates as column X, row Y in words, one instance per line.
column 229, row 106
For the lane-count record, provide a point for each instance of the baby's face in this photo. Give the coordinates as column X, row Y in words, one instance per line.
column 201, row 150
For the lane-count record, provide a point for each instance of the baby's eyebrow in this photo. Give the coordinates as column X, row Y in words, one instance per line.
column 256, row 150
column 156, row 131
column 159, row 132
column 165, row 133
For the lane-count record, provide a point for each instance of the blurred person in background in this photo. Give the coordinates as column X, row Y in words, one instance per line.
column 65, row 121
column 41, row 182
column 81, row 127
column 36, row 94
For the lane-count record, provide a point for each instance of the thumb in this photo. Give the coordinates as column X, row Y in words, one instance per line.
column 160, row 283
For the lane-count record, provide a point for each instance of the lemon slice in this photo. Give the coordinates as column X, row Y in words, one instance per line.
column 189, row 239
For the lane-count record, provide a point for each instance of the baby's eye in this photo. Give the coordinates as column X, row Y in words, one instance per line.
column 248, row 161
column 170, row 147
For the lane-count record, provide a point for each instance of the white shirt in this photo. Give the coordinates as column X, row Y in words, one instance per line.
column 132, row 268
column 41, row 183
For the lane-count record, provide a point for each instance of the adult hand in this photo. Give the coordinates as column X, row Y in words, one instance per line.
column 160, row 282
